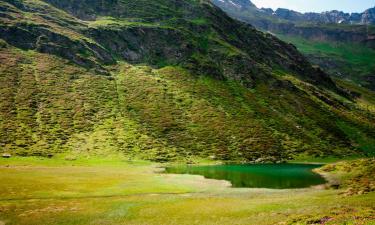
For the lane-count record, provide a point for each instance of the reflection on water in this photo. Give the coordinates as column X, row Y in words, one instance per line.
column 277, row 176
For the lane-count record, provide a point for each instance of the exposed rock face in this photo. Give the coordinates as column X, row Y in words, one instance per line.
column 286, row 14
column 29, row 37
column 157, row 10
column 239, row 4
column 143, row 44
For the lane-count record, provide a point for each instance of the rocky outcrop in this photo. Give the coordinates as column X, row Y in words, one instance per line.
column 150, row 11
column 368, row 16
column 239, row 4
column 31, row 37
column 141, row 44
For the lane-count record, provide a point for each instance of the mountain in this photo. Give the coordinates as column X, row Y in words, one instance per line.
column 334, row 16
column 365, row 18
column 166, row 80
column 342, row 44
column 331, row 26
column 176, row 33
column 328, row 26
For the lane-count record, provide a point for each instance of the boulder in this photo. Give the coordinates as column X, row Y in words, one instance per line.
column 6, row 155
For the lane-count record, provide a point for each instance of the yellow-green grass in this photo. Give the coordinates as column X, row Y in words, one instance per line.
column 112, row 191
column 50, row 106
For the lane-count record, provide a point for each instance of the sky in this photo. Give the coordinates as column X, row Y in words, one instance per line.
column 317, row 5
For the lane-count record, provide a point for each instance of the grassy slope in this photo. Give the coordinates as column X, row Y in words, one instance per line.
column 163, row 114
column 350, row 63
column 51, row 105
column 348, row 60
column 44, row 99
column 56, row 191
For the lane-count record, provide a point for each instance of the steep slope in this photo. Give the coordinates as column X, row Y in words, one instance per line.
column 181, row 81
column 194, row 35
column 342, row 46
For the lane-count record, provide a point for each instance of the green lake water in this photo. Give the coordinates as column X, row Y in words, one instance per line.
column 276, row 176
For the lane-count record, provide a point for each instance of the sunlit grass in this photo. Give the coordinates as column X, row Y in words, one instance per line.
column 109, row 191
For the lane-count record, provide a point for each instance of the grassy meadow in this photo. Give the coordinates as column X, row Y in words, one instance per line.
column 114, row 191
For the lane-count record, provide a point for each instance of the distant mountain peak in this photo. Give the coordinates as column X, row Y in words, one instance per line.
column 333, row 16
column 239, row 4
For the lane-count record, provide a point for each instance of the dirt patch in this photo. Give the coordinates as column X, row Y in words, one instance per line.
column 51, row 209
column 197, row 181
column 333, row 181
column 2, row 223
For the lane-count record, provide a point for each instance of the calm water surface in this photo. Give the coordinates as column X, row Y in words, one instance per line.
column 276, row 176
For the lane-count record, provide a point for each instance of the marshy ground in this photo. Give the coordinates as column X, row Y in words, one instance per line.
column 92, row 191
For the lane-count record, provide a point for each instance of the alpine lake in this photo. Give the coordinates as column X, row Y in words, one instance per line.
column 273, row 176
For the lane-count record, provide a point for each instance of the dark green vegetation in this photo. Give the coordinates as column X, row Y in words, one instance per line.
column 276, row 176
column 182, row 81
column 343, row 50
column 40, row 191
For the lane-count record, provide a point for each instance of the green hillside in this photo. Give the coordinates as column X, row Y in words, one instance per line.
column 180, row 82
column 49, row 106
column 341, row 59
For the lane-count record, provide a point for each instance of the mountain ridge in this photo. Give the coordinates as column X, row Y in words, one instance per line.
column 334, row 16
column 367, row 17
